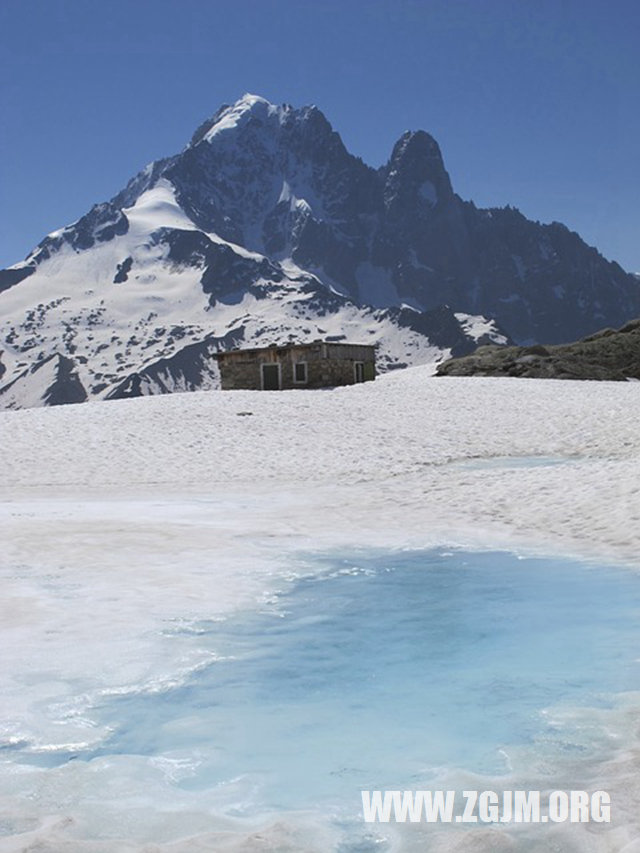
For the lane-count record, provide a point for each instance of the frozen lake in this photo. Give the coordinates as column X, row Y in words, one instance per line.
column 200, row 654
column 390, row 670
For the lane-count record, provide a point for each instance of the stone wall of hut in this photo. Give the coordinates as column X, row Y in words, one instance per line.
column 327, row 365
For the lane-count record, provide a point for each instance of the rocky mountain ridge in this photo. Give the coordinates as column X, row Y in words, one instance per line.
column 265, row 229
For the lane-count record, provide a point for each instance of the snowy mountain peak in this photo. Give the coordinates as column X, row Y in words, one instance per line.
column 248, row 108
column 257, row 114
column 265, row 229
column 250, row 101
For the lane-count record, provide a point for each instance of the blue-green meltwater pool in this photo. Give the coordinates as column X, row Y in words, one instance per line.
column 385, row 671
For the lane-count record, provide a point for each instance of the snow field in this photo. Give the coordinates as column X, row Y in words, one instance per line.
column 121, row 519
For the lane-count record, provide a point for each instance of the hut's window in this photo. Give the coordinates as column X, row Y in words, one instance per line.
column 358, row 371
column 300, row 372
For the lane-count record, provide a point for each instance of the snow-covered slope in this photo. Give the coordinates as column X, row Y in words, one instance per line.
column 265, row 229
column 156, row 296
column 125, row 525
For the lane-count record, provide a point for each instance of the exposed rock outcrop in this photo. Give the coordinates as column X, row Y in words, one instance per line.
column 609, row 355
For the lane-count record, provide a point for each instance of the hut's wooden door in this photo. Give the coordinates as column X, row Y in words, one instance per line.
column 270, row 377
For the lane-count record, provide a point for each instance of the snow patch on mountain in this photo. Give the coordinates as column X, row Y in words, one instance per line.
column 481, row 330
column 157, row 208
column 53, row 381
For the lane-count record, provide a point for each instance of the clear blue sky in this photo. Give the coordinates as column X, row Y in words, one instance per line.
column 534, row 104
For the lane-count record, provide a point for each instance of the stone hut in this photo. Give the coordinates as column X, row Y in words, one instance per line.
column 321, row 364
